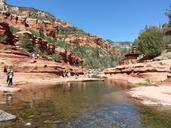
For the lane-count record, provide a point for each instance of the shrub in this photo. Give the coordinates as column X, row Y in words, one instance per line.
column 27, row 44
column 14, row 30
column 150, row 42
column 56, row 57
column 3, row 38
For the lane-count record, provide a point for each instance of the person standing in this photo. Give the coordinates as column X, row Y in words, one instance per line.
column 10, row 78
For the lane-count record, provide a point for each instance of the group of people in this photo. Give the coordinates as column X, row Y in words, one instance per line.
column 10, row 75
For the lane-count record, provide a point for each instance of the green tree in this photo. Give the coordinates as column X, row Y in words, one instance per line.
column 150, row 42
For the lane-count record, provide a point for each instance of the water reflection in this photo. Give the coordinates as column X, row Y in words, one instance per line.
column 74, row 105
column 6, row 98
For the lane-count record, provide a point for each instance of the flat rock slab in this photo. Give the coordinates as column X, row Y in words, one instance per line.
column 153, row 95
column 9, row 89
column 4, row 116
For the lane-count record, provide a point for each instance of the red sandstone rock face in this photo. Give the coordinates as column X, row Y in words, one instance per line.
column 156, row 71
column 139, row 68
column 69, row 57
column 49, row 28
column 92, row 41
column 5, row 31
column 22, row 22
column 23, row 63
column 44, row 45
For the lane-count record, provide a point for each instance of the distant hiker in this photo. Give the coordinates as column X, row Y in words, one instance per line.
column 34, row 57
column 8, row 71
column 10, row 78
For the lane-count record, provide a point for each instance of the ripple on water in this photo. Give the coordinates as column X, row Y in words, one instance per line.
column 120, row 116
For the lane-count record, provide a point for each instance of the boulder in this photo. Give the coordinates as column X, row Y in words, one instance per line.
column 4, row 116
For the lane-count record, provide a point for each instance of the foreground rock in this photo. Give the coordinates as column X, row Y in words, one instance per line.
column 4, row 116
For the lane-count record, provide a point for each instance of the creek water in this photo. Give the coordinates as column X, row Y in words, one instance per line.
column 80, row 105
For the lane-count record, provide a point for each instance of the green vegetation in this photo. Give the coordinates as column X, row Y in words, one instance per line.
column 35, row 13
column 95, row 57
column 14, row 30
column 3, row 38
column 55, row 57
column 146, row 83
column 150, row 42
column 27, row 44
column 123, row 51
column 71, row 31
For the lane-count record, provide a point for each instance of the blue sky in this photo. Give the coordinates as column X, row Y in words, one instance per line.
column 118, row 20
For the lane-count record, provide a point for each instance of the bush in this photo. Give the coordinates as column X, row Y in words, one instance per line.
column 150, row 42
column 3, row 38
column 27, row 44
column 56, row 57
column 14, row 30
